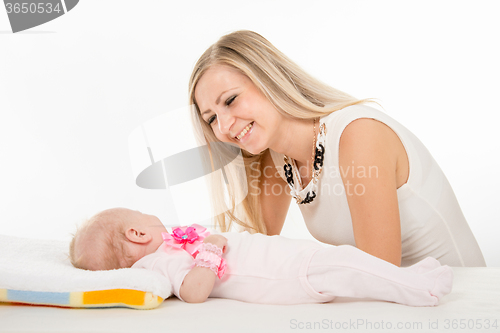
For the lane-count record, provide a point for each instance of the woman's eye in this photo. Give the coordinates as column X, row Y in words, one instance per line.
column 230, row 100
column 211, row 119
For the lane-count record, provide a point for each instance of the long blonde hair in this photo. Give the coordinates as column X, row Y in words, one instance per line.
column 291, row 90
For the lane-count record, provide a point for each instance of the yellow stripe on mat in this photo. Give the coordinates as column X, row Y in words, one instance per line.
column 119, row 297
column 125, row 296
column 3, row 295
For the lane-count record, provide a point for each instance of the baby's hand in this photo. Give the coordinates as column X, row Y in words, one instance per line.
column 217, row 240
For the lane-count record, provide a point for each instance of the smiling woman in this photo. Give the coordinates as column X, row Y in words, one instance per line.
column 245, row 117
column 247, row 93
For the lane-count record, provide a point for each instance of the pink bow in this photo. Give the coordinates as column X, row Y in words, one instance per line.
column 187, row 238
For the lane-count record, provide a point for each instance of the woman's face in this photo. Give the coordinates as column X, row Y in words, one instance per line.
column 236, row 110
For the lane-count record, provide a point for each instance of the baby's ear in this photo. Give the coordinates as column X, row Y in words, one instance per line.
column 136, row 235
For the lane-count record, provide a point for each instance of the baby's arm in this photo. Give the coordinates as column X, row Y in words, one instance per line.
column 199, row 282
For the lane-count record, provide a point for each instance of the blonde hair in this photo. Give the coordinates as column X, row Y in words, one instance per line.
column 98, row 242
column 292, row 91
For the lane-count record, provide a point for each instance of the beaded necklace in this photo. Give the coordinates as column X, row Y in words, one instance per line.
column 317, row 165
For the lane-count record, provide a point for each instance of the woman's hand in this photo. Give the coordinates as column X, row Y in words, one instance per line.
column 217, row 240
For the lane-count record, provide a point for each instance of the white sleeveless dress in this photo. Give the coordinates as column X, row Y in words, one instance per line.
column 432, row 223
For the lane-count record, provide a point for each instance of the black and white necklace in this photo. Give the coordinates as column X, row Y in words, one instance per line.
column 317, row 165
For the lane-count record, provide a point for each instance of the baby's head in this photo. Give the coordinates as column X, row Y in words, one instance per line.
column 115, row 238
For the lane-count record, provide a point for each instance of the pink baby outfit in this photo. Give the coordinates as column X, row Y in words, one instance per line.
column 278, row 270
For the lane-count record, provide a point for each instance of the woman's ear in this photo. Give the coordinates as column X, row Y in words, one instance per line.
column 138, row 236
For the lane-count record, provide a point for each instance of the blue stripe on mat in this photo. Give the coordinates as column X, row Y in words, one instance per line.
column 38, row 297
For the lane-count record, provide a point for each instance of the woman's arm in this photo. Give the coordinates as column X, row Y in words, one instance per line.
column 368, row 158
column 199, row 282
column 274, row 197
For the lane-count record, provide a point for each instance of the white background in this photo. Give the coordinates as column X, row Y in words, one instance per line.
column 72, row 90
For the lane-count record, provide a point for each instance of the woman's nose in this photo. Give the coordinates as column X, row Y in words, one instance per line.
column 226, row 120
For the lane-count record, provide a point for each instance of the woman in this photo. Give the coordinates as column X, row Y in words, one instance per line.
column 359, row 177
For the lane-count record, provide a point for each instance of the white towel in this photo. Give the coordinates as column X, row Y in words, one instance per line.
column 44, row 266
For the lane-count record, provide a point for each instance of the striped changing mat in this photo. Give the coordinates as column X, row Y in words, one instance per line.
column 39, row 272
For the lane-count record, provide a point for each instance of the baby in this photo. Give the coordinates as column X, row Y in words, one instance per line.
column 251, row 267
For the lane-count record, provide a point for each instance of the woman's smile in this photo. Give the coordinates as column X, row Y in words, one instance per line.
column 245, row 133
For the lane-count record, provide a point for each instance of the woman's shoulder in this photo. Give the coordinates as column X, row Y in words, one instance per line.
column 359, row 118
column 351, row 113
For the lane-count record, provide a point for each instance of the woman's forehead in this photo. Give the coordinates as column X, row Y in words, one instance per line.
column 215, row 80
column 220, row 74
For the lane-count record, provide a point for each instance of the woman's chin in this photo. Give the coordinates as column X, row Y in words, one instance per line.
column 254, row 150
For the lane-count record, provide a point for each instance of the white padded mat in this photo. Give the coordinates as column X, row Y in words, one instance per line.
column 474, row 302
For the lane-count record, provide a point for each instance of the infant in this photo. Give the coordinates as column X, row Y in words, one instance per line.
column 251, row 267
